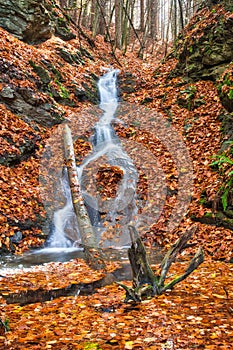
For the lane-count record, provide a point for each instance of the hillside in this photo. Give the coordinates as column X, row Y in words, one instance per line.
column 48, row 83
column 174, row 118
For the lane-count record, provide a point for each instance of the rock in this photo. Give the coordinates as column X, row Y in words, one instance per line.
column 64, row 32
column 205, row 56
column 34, row 21
column 28, row 20
column 23, row 101
column 70, row 57
column 127, row 83
column 91, row 92
column 7, row 93
column 225, row 88
column 17, row 237
column 41, row 72
column 227, row 102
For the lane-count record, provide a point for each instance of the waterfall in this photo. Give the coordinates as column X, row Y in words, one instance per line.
column 118, row 211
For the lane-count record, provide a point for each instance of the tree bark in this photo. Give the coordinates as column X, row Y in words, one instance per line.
column 145, row 282
column 142, row 16
column 93, row 253
column 118, row 24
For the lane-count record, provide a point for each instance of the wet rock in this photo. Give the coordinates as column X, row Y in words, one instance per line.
column 227, row 127
column 34, row 21
column 41, row 72
column 91, row 92
column 64, row 32
column 70, row 57
column 80, row 94
column 127, row 83
column 25, row 151
column 225, row 88
column 227, row 102
column 17, row 237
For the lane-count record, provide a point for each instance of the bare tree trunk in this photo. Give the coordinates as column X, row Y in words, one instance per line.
column 93, row 253
column 174, row 21
column 168, row 26
column 142, row 16
column 101, row 17
column 92, row 16
column 153, row 19
column 127, row 28
column 63, row 3
column 118, row 25
column 145, row 282
column 181, row 14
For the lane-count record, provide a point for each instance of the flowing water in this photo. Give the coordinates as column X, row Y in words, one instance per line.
column 110, row 217
column 118, row 211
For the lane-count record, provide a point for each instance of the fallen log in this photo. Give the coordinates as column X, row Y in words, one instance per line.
column 93, row 253
column 39, row 295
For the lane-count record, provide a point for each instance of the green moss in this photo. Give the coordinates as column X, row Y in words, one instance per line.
column 230, row 94
column 91, row 346
column 57, row 73
column 41, row 72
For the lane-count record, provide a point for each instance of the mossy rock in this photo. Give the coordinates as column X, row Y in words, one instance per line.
column 25, row 150
column 203, row 54
column 69, row 57
column 64, row 33
column 41, row 72
column 225, row 88
column 127, row 83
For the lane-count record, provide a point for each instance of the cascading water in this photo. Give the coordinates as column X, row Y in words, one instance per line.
column 121, row 209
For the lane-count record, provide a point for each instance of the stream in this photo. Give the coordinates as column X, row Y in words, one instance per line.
column 118, row 211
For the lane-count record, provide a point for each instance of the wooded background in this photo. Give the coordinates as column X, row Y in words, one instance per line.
column 134, row 23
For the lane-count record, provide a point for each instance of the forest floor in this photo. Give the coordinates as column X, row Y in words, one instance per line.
column 197, row 314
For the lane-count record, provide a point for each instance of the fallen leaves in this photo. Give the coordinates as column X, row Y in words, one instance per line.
column 197, row 314
column 185, row 317
column 154, row 89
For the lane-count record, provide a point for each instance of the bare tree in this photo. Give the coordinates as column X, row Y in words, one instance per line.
column 118, row 23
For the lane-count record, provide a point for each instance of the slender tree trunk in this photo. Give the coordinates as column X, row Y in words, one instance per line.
column 168, row 26
column 86, row 231
column 181, row 14
column 92, row 15
column 118, row 24
column 142, row 15
column 153, row 19
column 63, row 3
column 174, row 21
column 101, row 16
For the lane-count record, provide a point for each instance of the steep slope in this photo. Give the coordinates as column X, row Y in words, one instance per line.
column 45, row 84
column 194, row 105
column 41, row 86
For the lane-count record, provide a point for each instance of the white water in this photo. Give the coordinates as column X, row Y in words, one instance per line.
column 120, row 210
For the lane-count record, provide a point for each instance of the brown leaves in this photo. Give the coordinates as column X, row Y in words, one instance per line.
column 194, row 314
column 107, row 179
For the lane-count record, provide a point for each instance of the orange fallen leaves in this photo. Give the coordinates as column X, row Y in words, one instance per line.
column 197, row 313
column 183, row 318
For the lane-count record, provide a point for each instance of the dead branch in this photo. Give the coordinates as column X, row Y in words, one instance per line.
column 145, row 282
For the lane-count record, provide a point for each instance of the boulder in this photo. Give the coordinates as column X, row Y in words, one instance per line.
column 28, row 20
column 25, row 103
column 206, row 54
